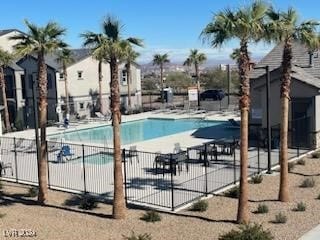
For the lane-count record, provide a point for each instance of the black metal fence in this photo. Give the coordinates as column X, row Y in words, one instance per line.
column 154, row 179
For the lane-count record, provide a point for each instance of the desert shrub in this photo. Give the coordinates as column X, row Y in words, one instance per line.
column 308, row 183
column 256, row 179
column 318, row 197
column 151, row 216
column 291, row 166
column 316, row 154
column 301, row 161
column 88, row 202
column 262, row 208
column 133, row 236
column 301, row 207
column 2, row 215
column 200, row 206
column 33, row 192
column 233, row 192
column 252, row 232
column 280, row 218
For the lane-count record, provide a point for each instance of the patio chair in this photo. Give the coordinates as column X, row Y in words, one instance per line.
column 234, row 123
column 3, row 167
column 177, row 148
column 132, row 153
column 53, row 145
column 65, row 154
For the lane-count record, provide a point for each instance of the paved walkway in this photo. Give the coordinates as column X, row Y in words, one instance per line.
column 313, row 234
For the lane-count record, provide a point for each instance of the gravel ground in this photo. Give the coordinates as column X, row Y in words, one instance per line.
column 61, row 222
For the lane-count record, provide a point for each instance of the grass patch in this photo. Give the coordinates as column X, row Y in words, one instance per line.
column 301, row 161
column 262, row 208
column 252, row 232
column 280, row 218
column 33, row 192
column 256, row 179
column 233, row 192
column 301, row 207
column 316, row 154
column 308, row 183
column 200, row 206
column 133, row 236
column 291, row 166
column 151, row 216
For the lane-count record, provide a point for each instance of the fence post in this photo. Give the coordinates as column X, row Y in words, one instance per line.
column 84, row 171
column 15, row 159
column 125, row 175
column 258, row 158
column 172, row 185
column 234, row 167
column 205, row 169
column 48, row 164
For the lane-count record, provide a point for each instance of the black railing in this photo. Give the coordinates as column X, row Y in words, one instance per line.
column 153, row 179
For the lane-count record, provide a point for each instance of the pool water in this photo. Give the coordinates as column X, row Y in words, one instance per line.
column 96, row 159
column 137, row 131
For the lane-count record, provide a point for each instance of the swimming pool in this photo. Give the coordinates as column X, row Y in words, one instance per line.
column 137, row 131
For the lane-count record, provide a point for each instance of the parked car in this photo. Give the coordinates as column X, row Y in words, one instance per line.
column 212, row 94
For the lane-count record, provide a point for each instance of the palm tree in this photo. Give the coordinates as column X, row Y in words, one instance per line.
column 283, row 28
column 245, row 24
column 130, row 58
column 65, row 58
column 5, row 59
column 97, row 42
column 197, row 59
column 160, row 60
column 115, row 51
column 41, row 41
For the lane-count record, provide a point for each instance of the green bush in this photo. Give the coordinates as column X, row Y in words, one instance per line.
column 291, row 166
column 316, row 154
column 33, row 192
column 308, row 183
column 200, row 206
column 233, row 192
column 133, row 236
column 301, row 207
column 151, row 216
column 262, row 208
column 256, row 179
column 248, row 232
column 88, row 202
column 280, row 218
column 301, row 161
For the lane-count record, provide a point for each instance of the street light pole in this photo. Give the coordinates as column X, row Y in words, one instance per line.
column 229, row 79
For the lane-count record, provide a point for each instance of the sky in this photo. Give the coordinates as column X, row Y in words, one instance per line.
column 166, row 26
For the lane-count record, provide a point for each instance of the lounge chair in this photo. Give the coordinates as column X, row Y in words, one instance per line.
column 65, row 154
column 3, row 167
column 53, row 145
column 27, row 148
column 102, row 116
column 234, row 123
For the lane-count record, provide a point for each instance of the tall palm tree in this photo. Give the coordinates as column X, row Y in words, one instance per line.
column 5, row 59
column 160, row 60
column 115, row 50
column 41, row 41
column 130, row 58
column 283, row 28
column 97, row 42
column 65, row 58
column 245, row 24
column 196, row 58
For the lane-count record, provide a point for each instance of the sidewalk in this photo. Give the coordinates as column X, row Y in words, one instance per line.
column 313, row 234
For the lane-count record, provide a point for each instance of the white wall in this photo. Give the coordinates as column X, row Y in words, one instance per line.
column 6, row 43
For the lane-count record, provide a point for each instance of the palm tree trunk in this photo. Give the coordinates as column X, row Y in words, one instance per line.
column 198, row 82
column 285, row 95
column 65, row 74
column 128, row 80
column 244, row 103
column 42, row 165
column 119, row 207
column 4, row 99
column 161, row 81
column 100, row 86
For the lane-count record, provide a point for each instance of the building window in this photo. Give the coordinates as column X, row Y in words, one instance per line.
column 80, row 74
column 30, row 81
column 81, row 105
column 23, row 86
column 124, row 77
column 49, row 81
column 61, row 76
